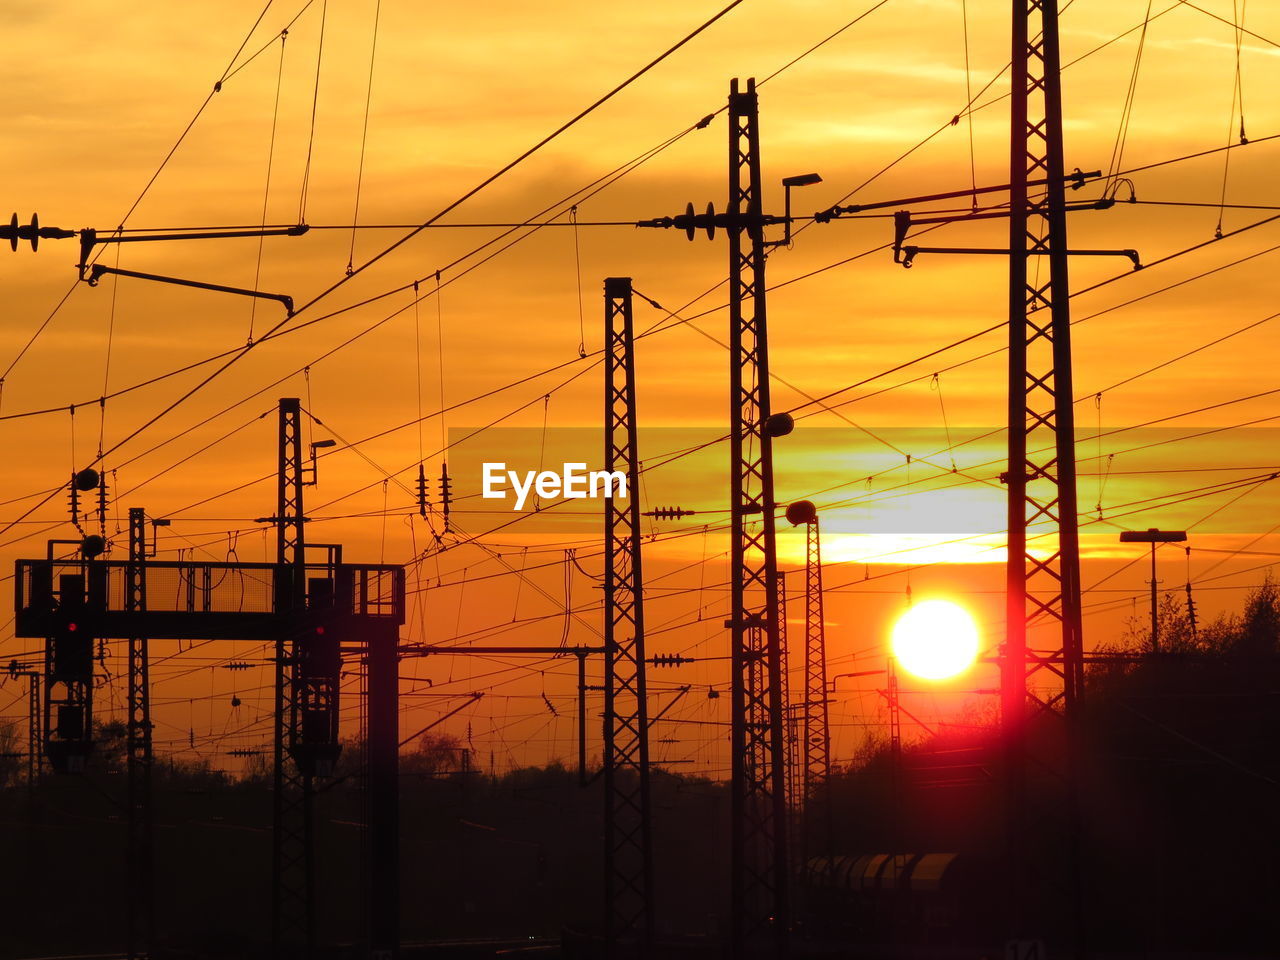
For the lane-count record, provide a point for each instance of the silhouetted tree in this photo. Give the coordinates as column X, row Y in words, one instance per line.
column 12, row 763
column 436, row 754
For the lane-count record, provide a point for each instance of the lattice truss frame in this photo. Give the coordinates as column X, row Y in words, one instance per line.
column 759, row 854
column 1044, row 581
column 293, row 913
column 817, row 729
column 1044, row 680
column 138, row 745
column 628, row 839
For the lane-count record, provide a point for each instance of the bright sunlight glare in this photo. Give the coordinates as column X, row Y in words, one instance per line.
column 935, row 639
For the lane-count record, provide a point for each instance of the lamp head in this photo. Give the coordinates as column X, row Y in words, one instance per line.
column 802, row 180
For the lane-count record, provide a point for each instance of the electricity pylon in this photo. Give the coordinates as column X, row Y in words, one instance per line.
column 759, row 868
column 1041, row 685
column 292, row 847
column 138, row 735
column 815, row 759
column 628, row 844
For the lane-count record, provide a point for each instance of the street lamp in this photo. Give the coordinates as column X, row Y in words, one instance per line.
column 1153, row 536
column 315, row 477
column 800, row 180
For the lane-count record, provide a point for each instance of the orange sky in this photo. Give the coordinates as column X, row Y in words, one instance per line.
column 94, row 99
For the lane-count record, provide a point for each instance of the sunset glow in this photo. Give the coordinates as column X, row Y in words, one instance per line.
column 486, row 474
column 935, row 640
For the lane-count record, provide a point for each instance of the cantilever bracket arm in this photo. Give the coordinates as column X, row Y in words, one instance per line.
column 97, row 271
column 904, row 221
column 1075, row 180
column 1104, row 203
column 908, row 253
column 89, row 238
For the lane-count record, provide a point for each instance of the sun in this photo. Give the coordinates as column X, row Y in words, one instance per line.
column 935, row 639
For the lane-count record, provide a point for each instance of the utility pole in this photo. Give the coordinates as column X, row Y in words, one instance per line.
column 793, row 752
column 34, row 747
column 760, row 880
column 138, row 732
column 895, row 728
column 893, row 699
column 1191, row 604
column 293, row 889
column 582, row 720
column 795, row 774
column 382, row 659
column 16, row 670
column 1043, row 587
column 759, row 894
column 628, row 842
column 1152, row 535
column 817, row 729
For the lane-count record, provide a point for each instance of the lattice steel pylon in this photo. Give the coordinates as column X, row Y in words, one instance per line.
column 629, row 923
column 792, row 712
column 293, row 875
column 34, row 737
column 138, row 746
column 759, row 866
column 1043, row 582
column 18, row 670
column 816, row 744
column 795, row 772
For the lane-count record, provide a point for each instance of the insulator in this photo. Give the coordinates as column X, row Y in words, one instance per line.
column 670, row 513
column 102, row 500
column 689, row 217
column 422, row 491
column 446, row 492
column 669, row 660
column 75, row 501
column 31, row 232
column 690, row 222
